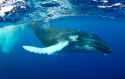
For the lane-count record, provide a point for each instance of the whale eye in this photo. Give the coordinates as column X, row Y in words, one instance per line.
column 74, row 37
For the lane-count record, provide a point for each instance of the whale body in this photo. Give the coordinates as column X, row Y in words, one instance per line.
column 56, row 39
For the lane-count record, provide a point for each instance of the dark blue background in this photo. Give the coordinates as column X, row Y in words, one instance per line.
column 23, row 65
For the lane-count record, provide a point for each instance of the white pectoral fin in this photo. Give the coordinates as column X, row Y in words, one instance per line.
column 47, row 50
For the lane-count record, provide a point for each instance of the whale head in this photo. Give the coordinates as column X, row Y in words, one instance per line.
column 91, row 42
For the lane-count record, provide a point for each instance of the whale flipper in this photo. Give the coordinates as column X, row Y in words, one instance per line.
column 47, row 50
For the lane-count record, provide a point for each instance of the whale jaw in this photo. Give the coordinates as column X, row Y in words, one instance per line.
column 92, row 42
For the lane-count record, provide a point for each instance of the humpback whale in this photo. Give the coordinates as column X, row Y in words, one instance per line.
column 56, row 39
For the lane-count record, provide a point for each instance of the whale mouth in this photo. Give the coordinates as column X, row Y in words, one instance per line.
column 100, row 46
column 93, row 42
column 103, row 47
column 97, row 47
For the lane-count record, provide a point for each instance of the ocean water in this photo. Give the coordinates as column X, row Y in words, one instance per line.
column 109, row 24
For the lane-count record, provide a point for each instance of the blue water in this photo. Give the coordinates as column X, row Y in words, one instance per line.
column 20, row 64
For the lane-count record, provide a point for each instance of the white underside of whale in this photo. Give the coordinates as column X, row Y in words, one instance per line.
column 47, row 50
